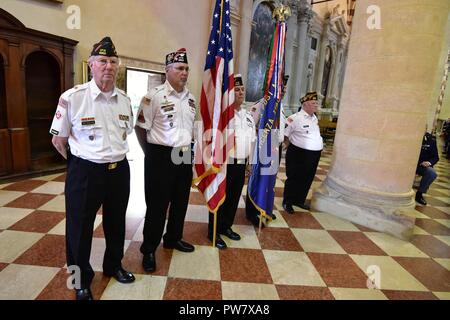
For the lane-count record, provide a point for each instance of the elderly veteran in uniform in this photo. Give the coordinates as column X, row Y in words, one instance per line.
column 251, row 213
column 245, row 136
column 165, row 129
column 305, row 145
column 90, row 129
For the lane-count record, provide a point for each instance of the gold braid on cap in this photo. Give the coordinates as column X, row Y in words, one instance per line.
column 309, row 96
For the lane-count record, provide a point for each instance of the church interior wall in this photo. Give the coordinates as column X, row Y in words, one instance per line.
column 145, row 30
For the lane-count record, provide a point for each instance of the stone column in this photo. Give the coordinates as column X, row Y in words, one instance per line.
column 336, row 76
column 304, row 84
column 244, row 38
column 321, row 65
column 289, row 47
column 386, row 96
column 303, row 18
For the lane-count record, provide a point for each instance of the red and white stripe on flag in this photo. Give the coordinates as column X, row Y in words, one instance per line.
column 216, row 110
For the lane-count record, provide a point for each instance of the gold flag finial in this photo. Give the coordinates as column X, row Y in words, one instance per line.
column 281, row 13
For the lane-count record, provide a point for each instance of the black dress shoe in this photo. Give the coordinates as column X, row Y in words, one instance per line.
column 84, row 294
column 180, row 245
column 149, row 262
column 231, row 234
column 288, row 208
column 304, row 206
column 220, row 244
column 122, row 276
column 421, row 200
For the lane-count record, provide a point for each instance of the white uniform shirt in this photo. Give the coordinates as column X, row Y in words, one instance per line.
column 245, row 134
column 97, row 127
column 303, row 131
column 256, row 111
column 168, row 116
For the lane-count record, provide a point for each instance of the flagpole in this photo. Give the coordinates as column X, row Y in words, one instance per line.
column 280, row 13
column 216, row 213
column 221, row 15
column 215, row 230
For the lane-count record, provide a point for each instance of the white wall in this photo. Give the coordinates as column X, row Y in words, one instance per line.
column 144, row 29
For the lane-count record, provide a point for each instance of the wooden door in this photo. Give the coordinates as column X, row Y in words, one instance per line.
column 42, row 73
column 5, row 145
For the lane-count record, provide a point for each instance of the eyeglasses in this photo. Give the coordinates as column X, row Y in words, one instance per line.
column 181, row 68
column 103, row 62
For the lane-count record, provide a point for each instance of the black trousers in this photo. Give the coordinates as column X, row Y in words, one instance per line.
column 227, row 211
column 301, row 167
column 88, row 186
column 166, row 183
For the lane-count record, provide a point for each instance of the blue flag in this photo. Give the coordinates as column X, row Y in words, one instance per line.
column 261, row 185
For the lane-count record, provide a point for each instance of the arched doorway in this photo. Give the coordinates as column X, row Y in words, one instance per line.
column 43, row 87
column 262, row 31
column 5, row 159
column 326, row 73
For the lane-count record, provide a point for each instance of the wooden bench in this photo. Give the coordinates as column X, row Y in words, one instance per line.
column 327, row 129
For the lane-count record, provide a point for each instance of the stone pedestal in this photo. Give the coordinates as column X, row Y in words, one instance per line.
column 387, row 92
column 381, row 211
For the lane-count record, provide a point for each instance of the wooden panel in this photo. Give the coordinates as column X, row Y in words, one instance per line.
column 25, row 118
column 20, row 149
column 3, row 113
column 5, row 152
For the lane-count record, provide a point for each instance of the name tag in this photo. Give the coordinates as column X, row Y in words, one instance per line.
column 306, row 126
column 168, row 109
column 87, row 121
column 124, row 117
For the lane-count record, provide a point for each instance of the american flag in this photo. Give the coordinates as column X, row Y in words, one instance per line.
column 217, row 110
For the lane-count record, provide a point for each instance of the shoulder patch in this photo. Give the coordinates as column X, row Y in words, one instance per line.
column 146, row 101
column 141, row 117
column 62, row 103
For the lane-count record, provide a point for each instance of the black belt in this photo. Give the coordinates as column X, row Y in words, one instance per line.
column 232, row 160
column 106, row 166
column 169, row 149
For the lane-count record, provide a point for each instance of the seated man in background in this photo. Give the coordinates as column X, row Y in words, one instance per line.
column 427, row 159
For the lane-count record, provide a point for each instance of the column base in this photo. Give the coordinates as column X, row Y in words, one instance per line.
column 388, row 213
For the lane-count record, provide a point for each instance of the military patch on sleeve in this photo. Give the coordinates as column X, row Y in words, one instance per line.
column 58, row 115
column 62, row 103
column 254, row 109
column 290, row 120
column 55, row 132
column 141, row 117
column 146, row 101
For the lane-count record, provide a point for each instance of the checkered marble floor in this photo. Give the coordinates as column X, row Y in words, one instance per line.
column 308, row 255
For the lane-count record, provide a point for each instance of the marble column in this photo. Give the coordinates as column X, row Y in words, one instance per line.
column 387, row 92
column 244, row 38
column 304, row 84
column 320, row 67
column 336, row 76
column 304, row 16
column 289, row 56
